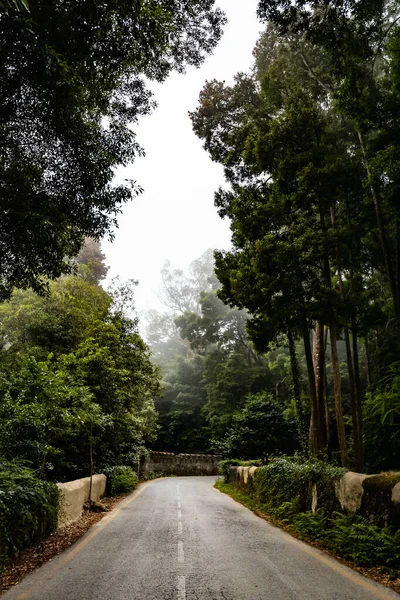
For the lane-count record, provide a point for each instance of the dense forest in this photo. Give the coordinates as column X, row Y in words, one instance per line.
column 76, row 380
column 295, row 344
column 286, row 343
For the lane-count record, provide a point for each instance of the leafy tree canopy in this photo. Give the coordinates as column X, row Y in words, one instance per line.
column 74, row 372
column 72, row 83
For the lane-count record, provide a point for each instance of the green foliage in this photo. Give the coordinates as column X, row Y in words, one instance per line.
column 90, row 261
column 45, row 414
column 28, row 508
column 209, row 370
column 284, row 479
column 260, row 429
column 236, row 494
column 183, row 426
column 311, row 159
column 74, row 374
column 382, row 422
column 351, row 537
column 81, row 71
column 121, row 480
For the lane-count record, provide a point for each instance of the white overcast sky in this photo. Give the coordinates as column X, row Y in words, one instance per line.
column 175, row 217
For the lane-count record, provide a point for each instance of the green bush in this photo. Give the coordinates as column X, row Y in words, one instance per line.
column 28, row 509
column 351, row 537
column 287, row 479
column 120, row 480
column 283, row 490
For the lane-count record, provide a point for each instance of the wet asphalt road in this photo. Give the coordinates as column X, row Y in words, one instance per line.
column 180, row 539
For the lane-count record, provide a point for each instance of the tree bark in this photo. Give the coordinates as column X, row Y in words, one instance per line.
column 335, row 366
column 91, row 462
column 316, row 440
column 368, row 360
column 353, row 402
column 357, row 384
column 297, row 393
column 382, row 234
column 338, row 397
column 327, row 422
column 319, row 367
column 357, row 443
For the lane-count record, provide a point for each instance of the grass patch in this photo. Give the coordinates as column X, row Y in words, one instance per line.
column 230, row 490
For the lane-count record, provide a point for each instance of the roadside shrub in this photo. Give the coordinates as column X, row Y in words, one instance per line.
column 285, row 479
column 259, row 428
column 283, row 490
column 28, row 509
column 120, row 480
column 351, row 537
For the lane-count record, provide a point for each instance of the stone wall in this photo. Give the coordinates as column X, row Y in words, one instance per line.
column 169, row 463
column 375, row 497
column 74, row 494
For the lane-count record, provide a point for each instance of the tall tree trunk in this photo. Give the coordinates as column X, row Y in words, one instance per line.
column 338, row 396
column 297, row 394
column 357, row 443
column 397, row 259
column 368, row 360
column 327, row 422
column 319, row 367
column 357, row 384
column 316, row 440
column 326, row 401
column 335, row 367
column 91, row 462
column 353, row 403
column 382, row 234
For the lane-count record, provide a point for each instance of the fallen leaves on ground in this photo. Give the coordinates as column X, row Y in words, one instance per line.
column 57, row 542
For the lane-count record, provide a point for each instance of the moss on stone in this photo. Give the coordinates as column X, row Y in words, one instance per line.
column 383, row 481
column 377, row 503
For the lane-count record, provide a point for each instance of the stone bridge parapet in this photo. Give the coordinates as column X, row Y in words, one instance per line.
column 169, row 463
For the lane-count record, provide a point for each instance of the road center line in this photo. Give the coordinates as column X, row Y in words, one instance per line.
column 179, row 504
column 181, row 588
column 181, row 555
column 180, row 527
column 179, row 514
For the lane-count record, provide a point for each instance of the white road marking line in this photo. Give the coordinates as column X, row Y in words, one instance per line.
column 179, row 504
column 179, row 514
column 181, row 588
column 180, row 527
column 179, row 497
column 181, row 555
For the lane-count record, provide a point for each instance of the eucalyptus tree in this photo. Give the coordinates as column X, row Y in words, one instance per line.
column 360, row 43
column 293, row 170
